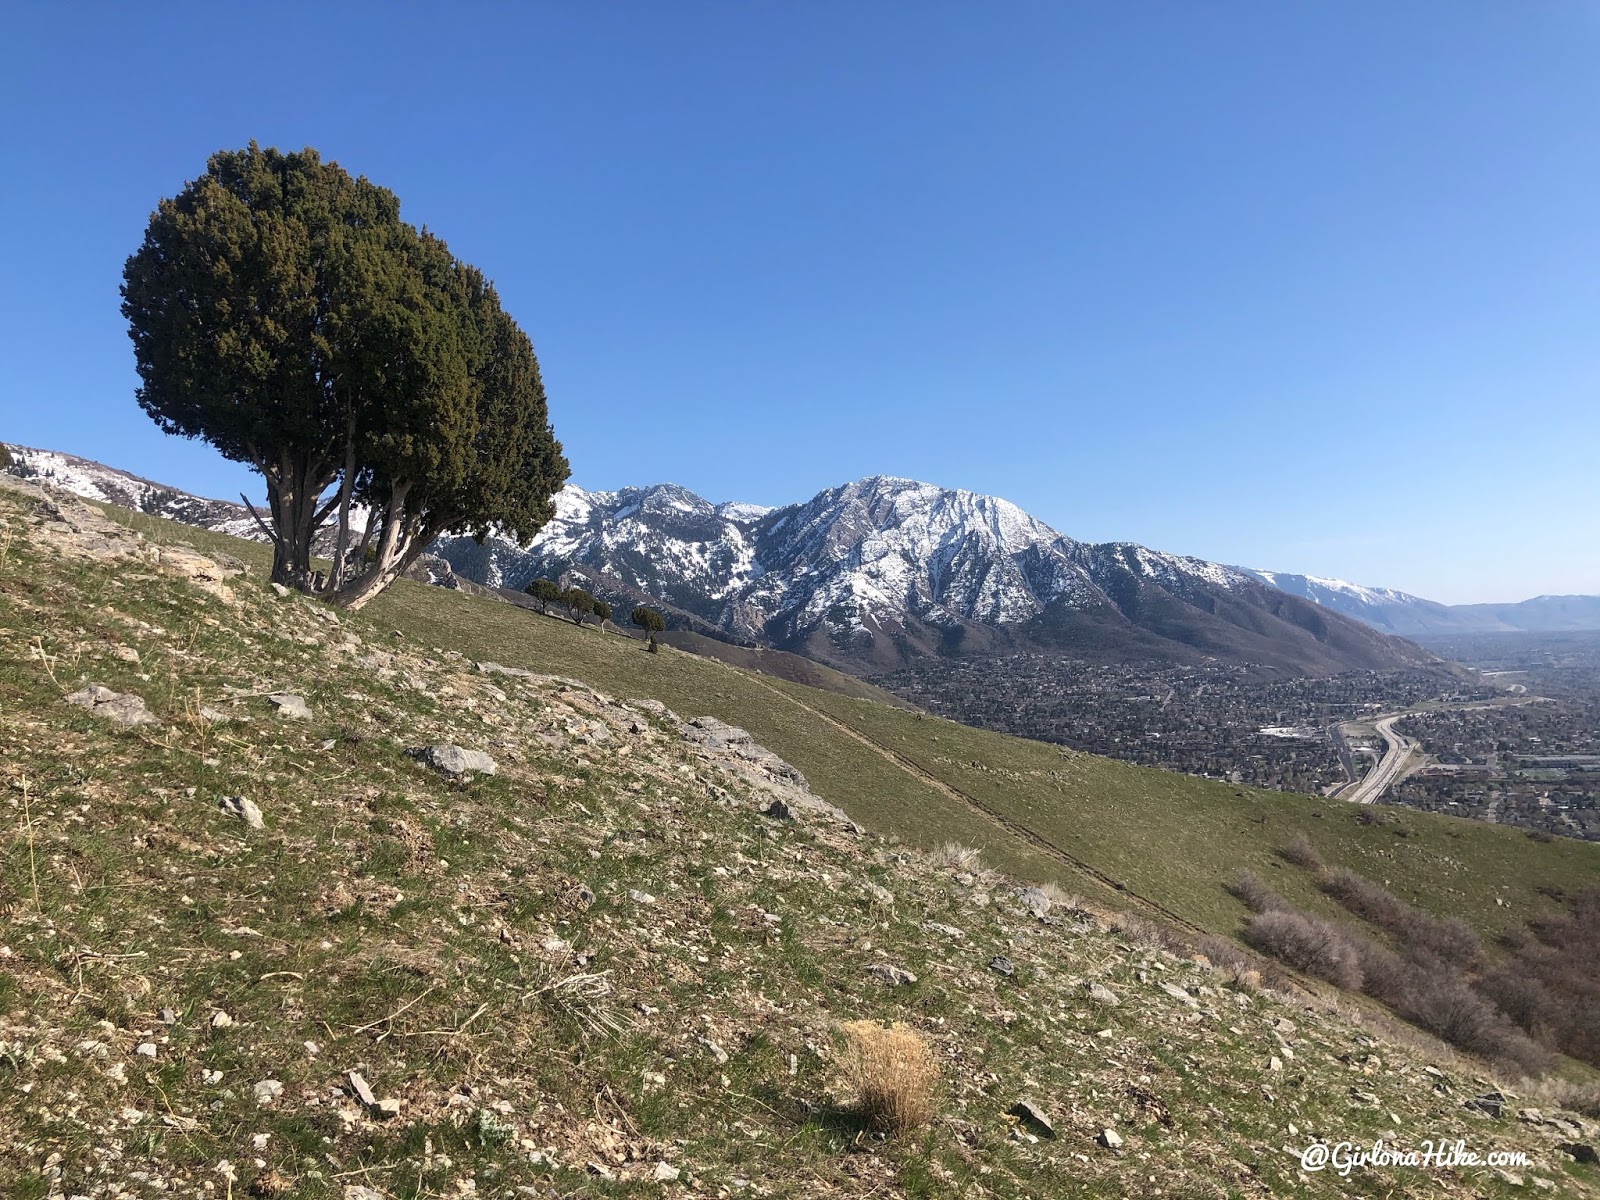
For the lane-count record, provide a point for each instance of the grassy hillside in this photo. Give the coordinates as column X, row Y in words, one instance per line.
column 1168, row 840
column 602, row 970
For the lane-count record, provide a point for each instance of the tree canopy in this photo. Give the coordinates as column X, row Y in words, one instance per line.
column 545, row 591
column 281, row 311
column 648, row 619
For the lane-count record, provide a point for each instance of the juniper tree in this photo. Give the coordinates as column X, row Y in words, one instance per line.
column 281, row 311
column 545, row 591
column 648, row 619
column 578, row 602
column 602, row 612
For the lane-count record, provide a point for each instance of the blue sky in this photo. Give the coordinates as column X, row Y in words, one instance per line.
column 1312, row 287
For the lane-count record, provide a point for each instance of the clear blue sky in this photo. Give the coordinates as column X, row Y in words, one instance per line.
column 1310, row 286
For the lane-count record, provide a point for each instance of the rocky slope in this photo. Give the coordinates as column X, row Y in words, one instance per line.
column 290, row 934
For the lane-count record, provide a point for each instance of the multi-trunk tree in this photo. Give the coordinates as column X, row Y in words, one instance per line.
column 283, row 312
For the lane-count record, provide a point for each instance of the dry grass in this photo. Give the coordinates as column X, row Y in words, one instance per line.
column 891, row 1074
column 955, row 857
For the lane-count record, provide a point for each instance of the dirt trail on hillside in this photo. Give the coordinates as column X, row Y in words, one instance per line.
column 993, row 817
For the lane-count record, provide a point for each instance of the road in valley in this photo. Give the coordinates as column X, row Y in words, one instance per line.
column 1388, row 769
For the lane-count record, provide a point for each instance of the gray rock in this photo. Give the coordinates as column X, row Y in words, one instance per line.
column 665, row 1172
column 1490, row 1103
column 1001, row 965
column 453, row 760
column 361, row 1090
column 890, row 974
column 281, row 592
column 291, row 706
column 1109, row 1138
column 1178, row 994
column 639, row 897
column 267, row 1092
column 778, row 811
column 1032, row 1114
column 120, row 708
column 1101, row 994
column 949, row 931
column 1036, row 902
column 242, row 807
column 360, row 1191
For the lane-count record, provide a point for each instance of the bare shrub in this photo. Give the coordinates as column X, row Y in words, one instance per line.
column 1256, row 895
column 1385, row 975
column 1442, row 1002
column 1419, row 933
column 1301, row 853
column 891, row 1074
column 1306, row 944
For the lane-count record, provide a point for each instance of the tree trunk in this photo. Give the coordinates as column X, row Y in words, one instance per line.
column 403, row 538
column 341, row 546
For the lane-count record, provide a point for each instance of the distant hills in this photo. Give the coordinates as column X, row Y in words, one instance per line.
column 876, row 573
column 1411, row 616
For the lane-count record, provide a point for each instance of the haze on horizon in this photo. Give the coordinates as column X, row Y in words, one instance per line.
column 1311, row 289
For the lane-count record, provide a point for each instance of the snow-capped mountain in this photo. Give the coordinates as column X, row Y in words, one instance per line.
column 866, row 575
column 872, row 572
column 95, row 481
column 1411, row 616
column 1383, row 608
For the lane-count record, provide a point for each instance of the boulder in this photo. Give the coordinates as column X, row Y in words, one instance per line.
column 242, row 807
column 1031, row 1114
column 291, row 706
column 890, row 974
column 120, row 708
column 453, row 760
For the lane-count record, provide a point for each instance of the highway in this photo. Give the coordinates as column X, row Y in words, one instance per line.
column 1388, row 769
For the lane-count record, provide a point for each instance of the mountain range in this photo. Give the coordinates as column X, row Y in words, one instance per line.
column 1412, row 616
column 878, row 572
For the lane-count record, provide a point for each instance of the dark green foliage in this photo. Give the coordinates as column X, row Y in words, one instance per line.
column 652, row 645
column 283, row 312
column 602, row 611
column 5, row 457
column 648, row 619
column 578, row 602
column 545, row 591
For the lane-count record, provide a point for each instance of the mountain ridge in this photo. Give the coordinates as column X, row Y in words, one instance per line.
column 871, row 574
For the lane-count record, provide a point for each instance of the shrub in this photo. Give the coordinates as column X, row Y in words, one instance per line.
column 1257, row 896
column 891, row 1074
column 1306, row 944
column 1420, row 934
column 1440, row 1001
column 1300, row 852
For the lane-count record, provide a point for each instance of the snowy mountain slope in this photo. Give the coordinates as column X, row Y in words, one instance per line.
column 866, row 575
column 1411, row 616
column 94, row 481
column 872, row 572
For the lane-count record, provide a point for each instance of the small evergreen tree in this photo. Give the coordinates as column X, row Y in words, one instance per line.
column 648, row 619
column 546, row 592
column 578, row 603
column 5, row 457
column 602, row 612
